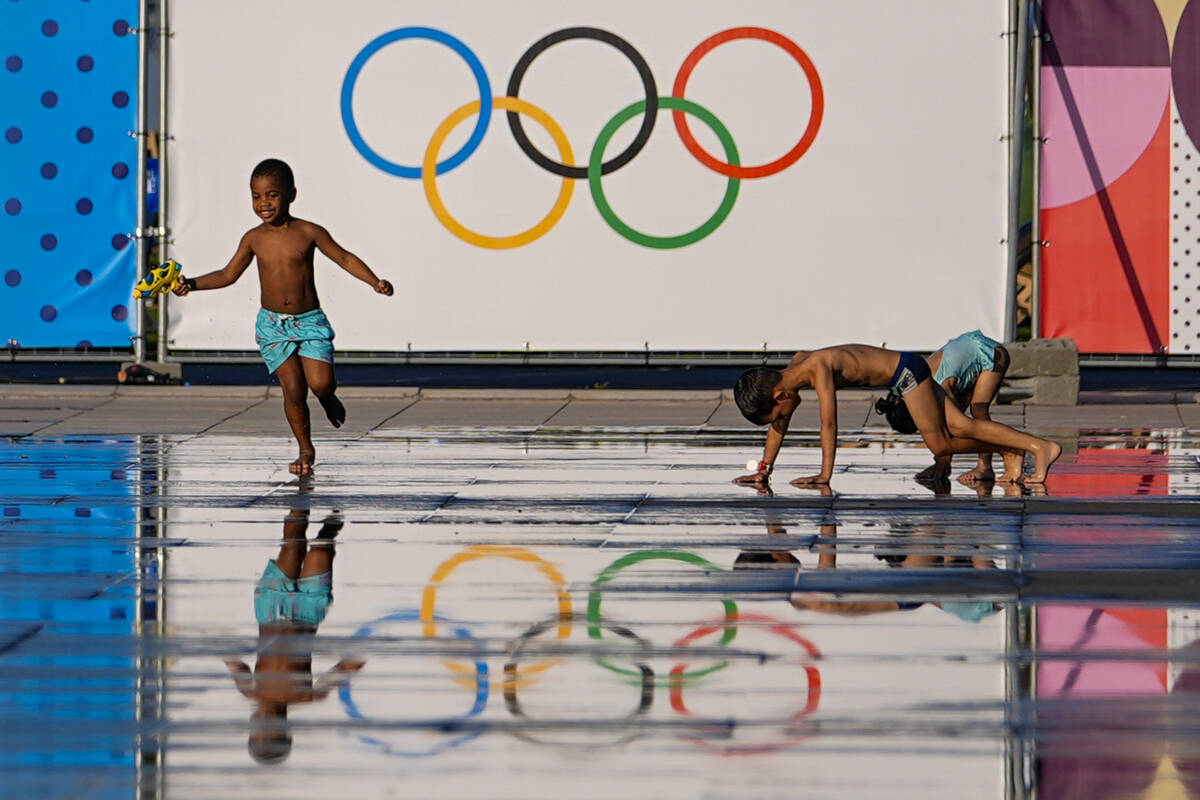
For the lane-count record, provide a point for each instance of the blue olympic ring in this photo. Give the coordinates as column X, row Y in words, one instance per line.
column 481, row 79
column 482, row 690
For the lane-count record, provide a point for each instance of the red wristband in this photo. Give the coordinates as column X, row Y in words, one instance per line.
column 763, row 466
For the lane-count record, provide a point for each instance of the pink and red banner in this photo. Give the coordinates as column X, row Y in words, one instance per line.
column 1120, row 184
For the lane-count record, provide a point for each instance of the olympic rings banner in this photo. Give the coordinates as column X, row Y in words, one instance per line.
column 561, row 176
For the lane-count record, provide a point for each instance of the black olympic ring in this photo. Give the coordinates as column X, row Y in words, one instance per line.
column 645, row 699
column 648, row 119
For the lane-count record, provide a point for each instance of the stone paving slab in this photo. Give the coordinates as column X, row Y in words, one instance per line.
column 1103, row 416
column 727, row 415
column 267, row 419
column 442, row 412
column 151, row 415
column 1190, row 414
column 684, row 414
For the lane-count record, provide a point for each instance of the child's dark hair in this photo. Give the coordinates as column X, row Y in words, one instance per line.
column 754, row 392
column 896, row 412
column 274, row 168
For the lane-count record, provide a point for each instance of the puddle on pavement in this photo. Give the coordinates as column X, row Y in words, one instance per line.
column 593, row 613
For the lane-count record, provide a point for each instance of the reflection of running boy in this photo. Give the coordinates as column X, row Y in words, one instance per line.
column 292, row 332
column 970, row 367
column 769, row 397
column 290, row 601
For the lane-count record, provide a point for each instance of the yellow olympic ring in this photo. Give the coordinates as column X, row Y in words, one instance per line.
column 474, row 553
column 429, row 175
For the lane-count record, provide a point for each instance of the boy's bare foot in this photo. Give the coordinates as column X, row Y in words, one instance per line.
column 304, row 464
column 333, row 409
column 1045, row 456
column 977, row 476
column 1014, row 464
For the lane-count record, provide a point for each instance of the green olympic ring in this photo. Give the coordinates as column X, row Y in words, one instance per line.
column 596, row 625
column 595, row 164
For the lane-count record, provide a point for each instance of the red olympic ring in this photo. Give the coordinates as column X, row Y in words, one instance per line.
column 814, row 116
column 778, row 628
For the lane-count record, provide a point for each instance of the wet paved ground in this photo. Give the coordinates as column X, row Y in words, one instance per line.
column 533, row 600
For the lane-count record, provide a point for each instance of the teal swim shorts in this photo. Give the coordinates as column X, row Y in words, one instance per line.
column 280, row 335
column 277, row 598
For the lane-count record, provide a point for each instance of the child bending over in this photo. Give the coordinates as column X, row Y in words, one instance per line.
column 770, row 397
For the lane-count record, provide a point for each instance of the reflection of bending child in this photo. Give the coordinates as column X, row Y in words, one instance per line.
column 291, row 600
column 971, row 611
column 970, row 368
column 770, row 397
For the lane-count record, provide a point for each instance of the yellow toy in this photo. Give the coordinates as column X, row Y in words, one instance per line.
column 159, row 280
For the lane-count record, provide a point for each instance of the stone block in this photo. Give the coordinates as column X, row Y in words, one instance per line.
column 1043, row 357
column 1042, row 390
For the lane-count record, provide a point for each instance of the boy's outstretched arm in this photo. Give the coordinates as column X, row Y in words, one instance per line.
column 775, row 433
column 220, row 278
column 348, row 261
column 822, row 382
column 338, row 674
column 242, row 676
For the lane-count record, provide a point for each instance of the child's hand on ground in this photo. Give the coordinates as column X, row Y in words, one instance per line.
column 384, row 287
column 754, row 479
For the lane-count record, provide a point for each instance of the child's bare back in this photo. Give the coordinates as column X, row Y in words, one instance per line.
column 850, row 364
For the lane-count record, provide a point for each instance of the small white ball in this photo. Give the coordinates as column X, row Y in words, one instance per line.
column 752, row 465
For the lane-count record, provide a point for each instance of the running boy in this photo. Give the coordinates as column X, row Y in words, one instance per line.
column 293, row 334
column 970, row 368
column 769, row 397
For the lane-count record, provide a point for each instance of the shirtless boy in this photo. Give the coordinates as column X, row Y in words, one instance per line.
column 293, row 334
column 769, row 397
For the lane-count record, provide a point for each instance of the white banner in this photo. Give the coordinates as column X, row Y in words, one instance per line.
column 869, row 205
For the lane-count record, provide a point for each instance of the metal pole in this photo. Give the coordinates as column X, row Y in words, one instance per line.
column 1016, row 148
column 1035, row 229
column 139, row 340
column 163, row 140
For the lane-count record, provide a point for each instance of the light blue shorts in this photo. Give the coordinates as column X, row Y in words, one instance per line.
column 965, row 358
column 280, row 335
column 277, row 598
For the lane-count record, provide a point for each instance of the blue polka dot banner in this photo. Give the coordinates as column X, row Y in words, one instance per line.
column 68, row 101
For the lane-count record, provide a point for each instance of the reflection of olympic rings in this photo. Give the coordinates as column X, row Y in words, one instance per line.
column 608, row 573
column 481, row 683
column 474, row 553
column 596, row 168
column 645, row 699
column 773, row 626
